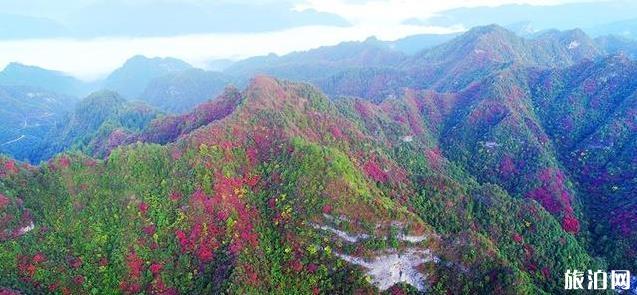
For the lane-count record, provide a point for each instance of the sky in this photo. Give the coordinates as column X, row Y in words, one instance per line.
column 90, row 38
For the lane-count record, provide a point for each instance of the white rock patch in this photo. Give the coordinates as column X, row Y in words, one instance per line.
column 574, row 44
column 389, row 269
column 412, row 239
column 352, row 238
column 26, row 229
column 408, row 138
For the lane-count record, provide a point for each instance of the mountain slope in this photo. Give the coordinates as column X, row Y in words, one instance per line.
column 16, row 74
column 321, row 62
column 595, row 138
column 287, row 191
column 373, row 71
column 132, row 78
column 97, row 124
column 26, row 116
column 180, row 92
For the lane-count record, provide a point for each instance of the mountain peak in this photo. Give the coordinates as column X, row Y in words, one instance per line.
column 144, row 60
column 489, row 29
column 16, row 67
column 131, row 78
column 103, row 97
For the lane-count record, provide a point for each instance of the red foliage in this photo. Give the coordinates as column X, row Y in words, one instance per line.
column 434, row 157
column 507, row 166
column 175, row 154
column 395, row 290
column 489, row 113
column 546, row 272
column 363, row 109
column 149, row 230
column 183, row 241
column 312, row 268
column 251, row 153
column 143, row 207
column 159, row 287
column 204, row 253
column 553, row 193
column 64, row 161
column 327, row 209
column 156, row 268
column 252, row 180
column 296, row 265
column 116, row 138
column 4, row 201
column 25, row 266
column 570, row 224
column 75, row 262
column 546, row 198
column 38, row 258
column 130, row 288
column 103, row 262
column 135, row 265
column 372, row 170
column 624, row 220
column 175, row 196
column 517, row 238
column 10, row 167
column 336, row 132
column 78, row 280
column 415, row 123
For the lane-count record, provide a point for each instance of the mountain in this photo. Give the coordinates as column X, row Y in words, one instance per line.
column 488, row 164
column 617, row 45
column 625, row 28
column 132, row 78
column 288, row 190
column 97, row 124
column 321, row 62
column 562, row 16
column 416, row 43
column 16, row 74
column 14, row 26
column 595, row 135
column 26, row 115
column 484, row 50
column 467, row 58
column 180, row 92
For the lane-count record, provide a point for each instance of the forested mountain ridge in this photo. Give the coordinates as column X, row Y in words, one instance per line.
column 488, row 164
column 332, row 181
column 27, row 114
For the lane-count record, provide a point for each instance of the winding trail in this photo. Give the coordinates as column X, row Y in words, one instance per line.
column 13, row 141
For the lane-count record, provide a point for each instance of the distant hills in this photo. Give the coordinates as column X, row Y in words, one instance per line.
column 131, row 79
column 95, row 19
column 16, row 74
column 372, row 69
column 180, row 92
column 27, row 114
column 595, row 17
column 488, row 163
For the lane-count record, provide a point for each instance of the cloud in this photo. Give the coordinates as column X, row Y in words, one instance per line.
column 397, row 11
column 92, row 58
column 151, row 18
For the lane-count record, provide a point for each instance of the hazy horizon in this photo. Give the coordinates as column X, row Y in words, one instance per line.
column 85, row 44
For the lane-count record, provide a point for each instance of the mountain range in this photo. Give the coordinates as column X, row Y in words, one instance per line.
column 488, row 163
